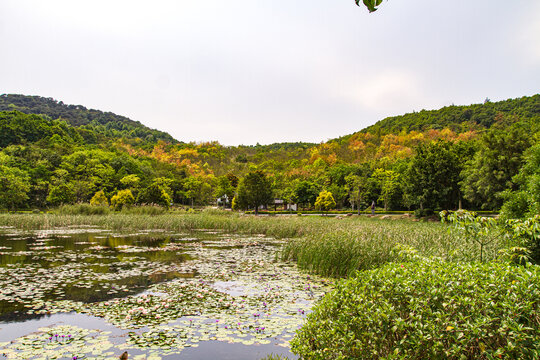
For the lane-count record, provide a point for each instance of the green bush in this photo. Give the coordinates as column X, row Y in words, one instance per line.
column 524, row 234
column 428, row 310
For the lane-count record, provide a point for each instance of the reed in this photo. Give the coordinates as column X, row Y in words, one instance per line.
column 322, row 245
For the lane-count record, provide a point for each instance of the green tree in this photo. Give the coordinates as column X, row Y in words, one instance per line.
column 491, row 170
column 525, row 201
column 433, row 176
column 357, row 189
column 60, row 194
column 254, row 190
column 158, row 192
column 390, row 184
column 305, row 193
column 325, row 201
column 226, row 186
column 14, row 187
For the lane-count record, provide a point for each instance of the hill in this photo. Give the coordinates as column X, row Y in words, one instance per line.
column 105, row 123
column 460, row 118
column 436, row 159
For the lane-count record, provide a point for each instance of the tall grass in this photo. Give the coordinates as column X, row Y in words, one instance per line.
column 323, row 245
column 361, row 245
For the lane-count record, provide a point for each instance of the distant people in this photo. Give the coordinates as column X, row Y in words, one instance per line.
column 373, row 208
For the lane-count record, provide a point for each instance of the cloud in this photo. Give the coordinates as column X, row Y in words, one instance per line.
column 528, row 36
column 384, row 89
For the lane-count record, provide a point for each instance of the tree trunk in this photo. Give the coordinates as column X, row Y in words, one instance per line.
column 256, row 210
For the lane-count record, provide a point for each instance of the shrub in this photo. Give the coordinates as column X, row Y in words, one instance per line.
column 428, row 310
column 124, row 198
column 99, row 199
column 525, row 233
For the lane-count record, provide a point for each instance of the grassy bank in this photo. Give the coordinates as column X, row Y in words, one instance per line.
column 323, row 245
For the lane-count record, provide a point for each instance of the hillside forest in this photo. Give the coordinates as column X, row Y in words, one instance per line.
column 479, row 157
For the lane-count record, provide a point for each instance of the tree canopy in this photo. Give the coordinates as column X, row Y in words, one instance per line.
column 476, row 155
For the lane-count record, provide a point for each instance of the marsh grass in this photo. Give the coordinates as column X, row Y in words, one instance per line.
column 370, row 243
column 323, row 245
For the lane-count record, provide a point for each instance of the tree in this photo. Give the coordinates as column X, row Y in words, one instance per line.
column 14, row 187
column 226, row 186
column 61, row 193
column 121, row 199
column 254, row 190
column 325, row 201
column 433, row 176
column 356, row 187
column 99, row 199
column 159, row 192
column 491, row 170
column 306, row 192
column 526, row 200
column 390, row 184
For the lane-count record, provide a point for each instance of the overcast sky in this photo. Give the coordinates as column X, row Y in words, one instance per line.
column 248, row 71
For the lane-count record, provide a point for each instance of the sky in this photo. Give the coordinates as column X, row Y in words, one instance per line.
column 253, row 71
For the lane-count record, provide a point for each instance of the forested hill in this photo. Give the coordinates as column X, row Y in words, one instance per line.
column 105, row 123
column 461, row 118
column 482, row 156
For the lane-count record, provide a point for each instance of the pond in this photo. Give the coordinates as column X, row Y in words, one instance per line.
column 87, row 293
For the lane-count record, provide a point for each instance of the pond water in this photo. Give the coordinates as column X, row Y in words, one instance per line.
column 86, row 293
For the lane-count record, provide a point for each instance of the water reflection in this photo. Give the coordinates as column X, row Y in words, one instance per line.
column 86, row 267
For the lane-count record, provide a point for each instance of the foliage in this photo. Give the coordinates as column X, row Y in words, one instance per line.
column 123, row 198
column 433, row 175
column 99, row 199
column 427, row 310
column 96, row 121
column 525, row 201
column 81, row 151
column 478, row 229
column 305, row 193
column 370, row 4
column 14, row 186
column 254, row 190
column 463, row 118
column 61, row 194
column 525, row 233
column 491, row 170
column 159, row 193
column 325, row 201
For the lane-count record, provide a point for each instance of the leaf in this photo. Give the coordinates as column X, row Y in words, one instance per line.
column 370, row 4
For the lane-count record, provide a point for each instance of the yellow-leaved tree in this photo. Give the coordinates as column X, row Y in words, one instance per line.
column 325, row 201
